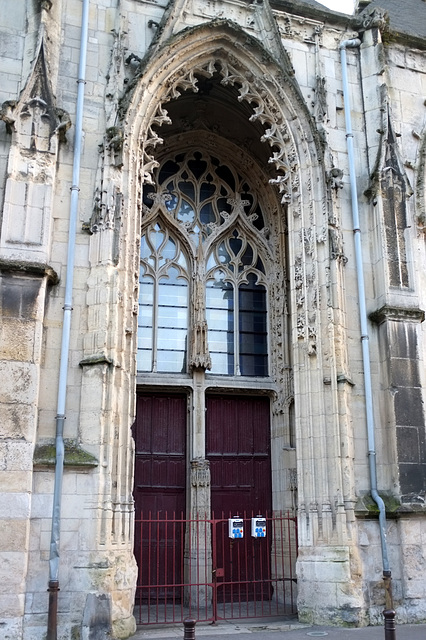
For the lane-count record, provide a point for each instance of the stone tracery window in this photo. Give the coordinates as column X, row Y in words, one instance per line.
column 163, row 303
column 236, row 308
column 202, row 268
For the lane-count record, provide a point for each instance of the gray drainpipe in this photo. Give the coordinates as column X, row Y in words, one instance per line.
column 53, row 589
column 364, row 342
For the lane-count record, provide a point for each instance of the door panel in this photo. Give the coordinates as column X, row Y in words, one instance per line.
column 238, row 448
column 160, row 481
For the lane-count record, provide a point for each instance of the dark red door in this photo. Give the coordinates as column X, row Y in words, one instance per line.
column 159, row 493
column 238, row 448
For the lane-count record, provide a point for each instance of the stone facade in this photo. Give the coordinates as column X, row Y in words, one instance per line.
column 259, row 84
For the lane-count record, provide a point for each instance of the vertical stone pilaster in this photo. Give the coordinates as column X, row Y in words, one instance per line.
column 404, row 402
column 22, row 302
column 198, row 549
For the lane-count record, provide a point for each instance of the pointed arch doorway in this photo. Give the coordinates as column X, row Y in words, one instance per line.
column 264, row 104
column 213, row 307
column 205, row 319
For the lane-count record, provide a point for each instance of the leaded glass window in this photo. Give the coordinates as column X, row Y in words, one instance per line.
column 206, row 233
column 163, row 303
column 236, row 308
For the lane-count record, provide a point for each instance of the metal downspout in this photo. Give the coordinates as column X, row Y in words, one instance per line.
column 364, row 336
column 66, row 327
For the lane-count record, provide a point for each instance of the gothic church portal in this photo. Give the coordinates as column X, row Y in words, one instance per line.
column 194, row 320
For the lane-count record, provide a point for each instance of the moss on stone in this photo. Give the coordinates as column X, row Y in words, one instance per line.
column 367, row 505
column 75, row 456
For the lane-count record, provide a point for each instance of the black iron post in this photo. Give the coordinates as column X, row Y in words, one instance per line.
column 389, row 612
column 52, row 618
column 189, row 629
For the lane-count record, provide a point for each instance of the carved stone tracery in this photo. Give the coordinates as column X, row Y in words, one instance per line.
column 264, row 111
column 210, row 241
column 37, row 127
column 276, row 134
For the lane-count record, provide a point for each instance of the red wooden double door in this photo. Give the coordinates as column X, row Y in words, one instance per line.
column 237, row 447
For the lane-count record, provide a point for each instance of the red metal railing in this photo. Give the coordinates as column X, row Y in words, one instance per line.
column 192, row 568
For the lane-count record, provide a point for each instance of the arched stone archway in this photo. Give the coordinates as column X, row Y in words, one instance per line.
column 312, row 376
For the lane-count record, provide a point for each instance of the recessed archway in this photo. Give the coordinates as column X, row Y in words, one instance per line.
column 217, row 64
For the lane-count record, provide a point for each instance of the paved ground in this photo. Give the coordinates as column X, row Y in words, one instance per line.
column 247, row 630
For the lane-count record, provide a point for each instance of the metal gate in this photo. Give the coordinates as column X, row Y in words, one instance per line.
column 214, row 577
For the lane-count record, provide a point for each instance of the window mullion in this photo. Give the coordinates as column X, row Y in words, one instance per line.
column 236, row 330
column 155, row 325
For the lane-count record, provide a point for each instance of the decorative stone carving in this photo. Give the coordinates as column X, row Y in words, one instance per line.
column 320, row 102
column 394, row 190
column 200, row 473
column 292, row 477
column 106, row 209
column 200, row 356
column 35, row 118
column 322, row 235
column 300, row 28
column 276, row 112
column 336, row 244
column 372, row 17
column 36, row 127
column 114, row 142
column 267, row 110
column 334, row 179
column 421, row 188
column 282, row 182
column 397, row 314
column 276, row 133
column 308, row 241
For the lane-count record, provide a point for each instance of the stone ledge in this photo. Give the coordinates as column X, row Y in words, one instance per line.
column 397, row 314
column 75, row 456
column 31, row 268
column 96, row 358
column 367, row 508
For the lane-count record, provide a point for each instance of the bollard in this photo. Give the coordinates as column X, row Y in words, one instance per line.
column 389, row 612
column 189, row 629
column 390, row 633
column 52, row 617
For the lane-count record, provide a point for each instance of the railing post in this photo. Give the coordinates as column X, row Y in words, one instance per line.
column 189, row 629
